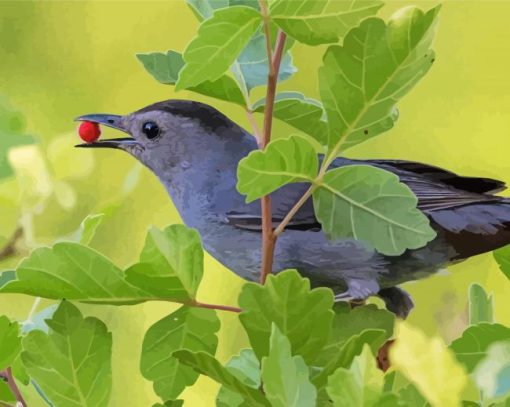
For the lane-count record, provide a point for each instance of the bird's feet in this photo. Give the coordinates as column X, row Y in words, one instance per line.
column 358, row 291
column 397, row 301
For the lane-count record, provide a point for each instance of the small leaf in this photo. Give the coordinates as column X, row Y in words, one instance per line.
column 219, row 41
column 480, row 305
column 412, row 397
column 378, row 63
column 72, row 364
column 10, row 342
column 300, row 112
column 472, row 346
column 7, row 398
column 429, row 365
column 187, row 328
column 502, row 257
column 204, row 9
column 207, row 365
column 286, row 377
column 165, row 68
column 171, row 263
column 282, row 162
column 321, row 21
column 303, row 315
column 371, row 205
column 493, row 373
column 359, row 386
column 246, row 368
column 88, row 228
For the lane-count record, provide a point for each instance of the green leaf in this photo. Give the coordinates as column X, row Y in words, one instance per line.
column 472, row 346
column 300, row 112
column 187, row 328
column 204, row 9
column 283, row 161
column 321, row 21
column 378, row 63
column 165, row 68
column 493, row 373
column 246, row 368
column 341, row 354
column 219, row 41
column 480, row 305
column 171, row 263
column 6, row 396
column 207, row 365
column 88, row 228
column 71, row 364
column 286, row 377
column 502, row 257
column 10, row 342
column 170, row 403
column 303, row 315
column 19, row 372
column 38, row 321
column 411, row 396
column 359, row 386
column 370, row 204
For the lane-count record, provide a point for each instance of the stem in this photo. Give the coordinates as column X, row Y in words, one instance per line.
column 10, row 247
column 7, row 374
column 215, row 306
column 294, row 209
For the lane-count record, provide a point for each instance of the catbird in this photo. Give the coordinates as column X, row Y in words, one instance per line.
column 194, row 150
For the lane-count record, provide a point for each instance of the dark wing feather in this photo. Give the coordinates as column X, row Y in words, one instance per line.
column 436, row 189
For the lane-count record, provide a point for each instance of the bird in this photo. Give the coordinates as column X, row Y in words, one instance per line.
column 194, row 150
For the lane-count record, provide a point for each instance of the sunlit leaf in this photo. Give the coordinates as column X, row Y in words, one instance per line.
column 6, row 395
column 502, row 257
column 283, row 161
column 165, row 68
column 472, row 346
column 429, row 365
column 219, row 41
column 207, row 365
column 286, row 377
column 371, row 205
column 378, row 63
column 88, row 227
column 480, row 305
column 187, row 328
column 361, row 385
column 10, row 342
column 300, row 112
column 493, row 373
column 303, row 315
column 72, row 363
column 321, row 21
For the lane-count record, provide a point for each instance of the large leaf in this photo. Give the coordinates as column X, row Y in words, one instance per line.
column 301, row 314
column 321, row 21
column 187, row 328
column 170, row 269
column 493, row 373
column 472, row 346
column 219, row 41
column 165, row 68
column 246, row 367
column 480, row 305
column 429, row 365
column 378, row 63
column 286, row 377
column 207, row 365
column 72, row 364
column 370, row 204
column 300, row 112
column 171, row 263
column 283, row 161
column 359, row 386
column 10, row 342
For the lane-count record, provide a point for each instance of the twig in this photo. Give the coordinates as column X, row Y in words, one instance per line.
column 7, row 375
column 9, row 248
column 216, row 307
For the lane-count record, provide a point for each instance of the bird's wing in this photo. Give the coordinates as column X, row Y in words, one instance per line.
column 436, row 189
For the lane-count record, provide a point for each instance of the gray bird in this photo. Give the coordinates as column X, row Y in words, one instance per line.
column 194, row 150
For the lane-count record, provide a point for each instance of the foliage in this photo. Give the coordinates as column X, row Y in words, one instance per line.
column 304, row 350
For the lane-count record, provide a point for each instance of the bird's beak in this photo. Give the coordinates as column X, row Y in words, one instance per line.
column 109, row 120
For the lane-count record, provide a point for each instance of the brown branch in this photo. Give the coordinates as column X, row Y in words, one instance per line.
column 7, row 375
column 9, row 248
column 216, row 307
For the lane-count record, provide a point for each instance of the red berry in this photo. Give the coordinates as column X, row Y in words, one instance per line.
column 89, row 131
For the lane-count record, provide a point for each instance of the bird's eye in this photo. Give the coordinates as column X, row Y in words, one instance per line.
column 150, row 129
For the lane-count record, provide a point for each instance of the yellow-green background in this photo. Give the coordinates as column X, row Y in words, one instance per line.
column 62, row 59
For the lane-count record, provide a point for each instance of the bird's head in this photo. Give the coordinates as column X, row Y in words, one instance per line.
column 170, row 135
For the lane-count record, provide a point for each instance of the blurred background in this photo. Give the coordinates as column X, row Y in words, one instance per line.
column 63, row 59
